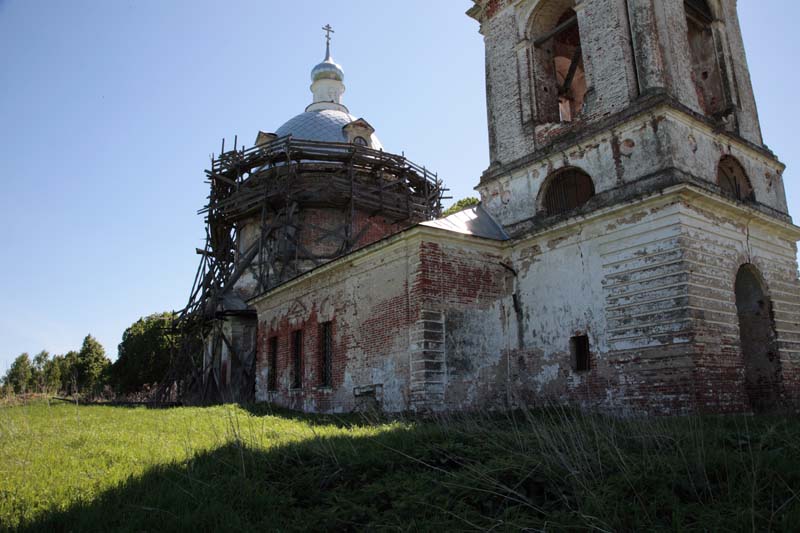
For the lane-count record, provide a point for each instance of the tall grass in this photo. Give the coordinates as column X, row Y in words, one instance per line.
column 84, row 468
column 567, row 468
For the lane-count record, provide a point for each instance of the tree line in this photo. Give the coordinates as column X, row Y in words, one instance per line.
column 143, row 359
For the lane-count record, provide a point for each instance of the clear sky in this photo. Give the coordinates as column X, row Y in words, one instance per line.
column 110, row 110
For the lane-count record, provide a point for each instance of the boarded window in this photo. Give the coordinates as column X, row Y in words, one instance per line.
column 325, row 354
column 706, row 62
column 579, row 349
column 559, row 77
column 733, row 181
column 272, row 365
column 297, row 359
column 567, row 190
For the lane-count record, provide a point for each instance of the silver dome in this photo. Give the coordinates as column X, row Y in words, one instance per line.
column 327, row 70
column 324, row 126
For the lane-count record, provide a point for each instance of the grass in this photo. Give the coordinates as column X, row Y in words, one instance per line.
column 98, row 468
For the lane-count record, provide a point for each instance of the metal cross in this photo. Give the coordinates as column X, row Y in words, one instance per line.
column 328, row 30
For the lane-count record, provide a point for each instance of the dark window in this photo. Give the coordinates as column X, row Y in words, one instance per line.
column 361, row 141
column 579, row 348
column 325, row 353
column 733, row 180
column 224, row 372
column 297, row 359
column 698, row 9
column 272, row 365
column 567, row 190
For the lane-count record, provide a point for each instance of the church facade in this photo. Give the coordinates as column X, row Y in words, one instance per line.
column 632, row 250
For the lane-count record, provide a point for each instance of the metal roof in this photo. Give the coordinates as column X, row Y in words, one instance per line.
column 325, row 126
column 474, row 221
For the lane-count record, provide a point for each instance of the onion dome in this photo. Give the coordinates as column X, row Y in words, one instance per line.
column 327, row 119
column 328, row 69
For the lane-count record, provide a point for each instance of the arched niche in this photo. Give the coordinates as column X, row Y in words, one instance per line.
column 565, row 190
column 733, row 181
column 758, row 339
column 559, row 76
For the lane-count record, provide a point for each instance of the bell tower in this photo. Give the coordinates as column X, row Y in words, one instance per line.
column 662, row 87
column 627, row 132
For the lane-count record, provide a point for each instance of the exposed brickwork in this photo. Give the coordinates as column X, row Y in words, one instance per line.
column 629, row 48
column 465, row 324
column 646, row 269
column 369, row 312
column 321, row 234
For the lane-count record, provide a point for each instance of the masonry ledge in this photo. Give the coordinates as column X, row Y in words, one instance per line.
column 647, row 106
column 418, row 234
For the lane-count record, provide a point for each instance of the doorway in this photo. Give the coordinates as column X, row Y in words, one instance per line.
column 758, row 339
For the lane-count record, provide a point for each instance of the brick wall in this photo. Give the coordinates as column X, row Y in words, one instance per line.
column 429, row 320
column 454, row 280
column 320, row 231
column 367, row 303
column 718, row 243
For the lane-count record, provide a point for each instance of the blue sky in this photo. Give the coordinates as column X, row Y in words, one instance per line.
column 110, row 110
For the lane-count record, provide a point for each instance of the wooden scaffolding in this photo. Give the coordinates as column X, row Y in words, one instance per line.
column 271, row 185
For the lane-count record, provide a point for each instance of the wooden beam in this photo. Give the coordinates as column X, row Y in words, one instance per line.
column 573, row 67
column 567, row 24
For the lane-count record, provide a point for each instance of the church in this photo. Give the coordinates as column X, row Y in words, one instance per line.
column 632, row 251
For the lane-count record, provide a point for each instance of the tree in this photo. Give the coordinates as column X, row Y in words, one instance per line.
column 144, row 355
column 91, row 364
column 460, row 205
column 19, row 374
column 37, row 371
column 68, row 370
column 52, row 374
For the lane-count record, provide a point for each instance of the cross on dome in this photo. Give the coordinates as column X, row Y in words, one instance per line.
column 328, row 30
column 327, row 78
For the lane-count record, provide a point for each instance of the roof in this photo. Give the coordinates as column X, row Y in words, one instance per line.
column 324, row 126
column 475, row 221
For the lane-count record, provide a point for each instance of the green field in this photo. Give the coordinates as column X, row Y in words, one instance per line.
column 98, row 468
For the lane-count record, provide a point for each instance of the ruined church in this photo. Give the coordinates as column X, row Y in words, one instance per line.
column 632, row 250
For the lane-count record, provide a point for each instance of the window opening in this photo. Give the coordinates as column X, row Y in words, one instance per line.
column 567, row 190
column 297, row 359
column 579, row 348
column 360, row 141
column 272, row 377
column 224, row 372
column 560, row 76
column 706, row 73
column 733, row 181
column 325, row 353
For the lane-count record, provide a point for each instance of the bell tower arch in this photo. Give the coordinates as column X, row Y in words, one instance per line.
column 663, row 85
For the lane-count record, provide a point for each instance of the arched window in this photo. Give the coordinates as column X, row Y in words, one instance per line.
column 566, row 190
column 732, row 180
column 360, row 141
column 706, row 64
column 559, row 77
